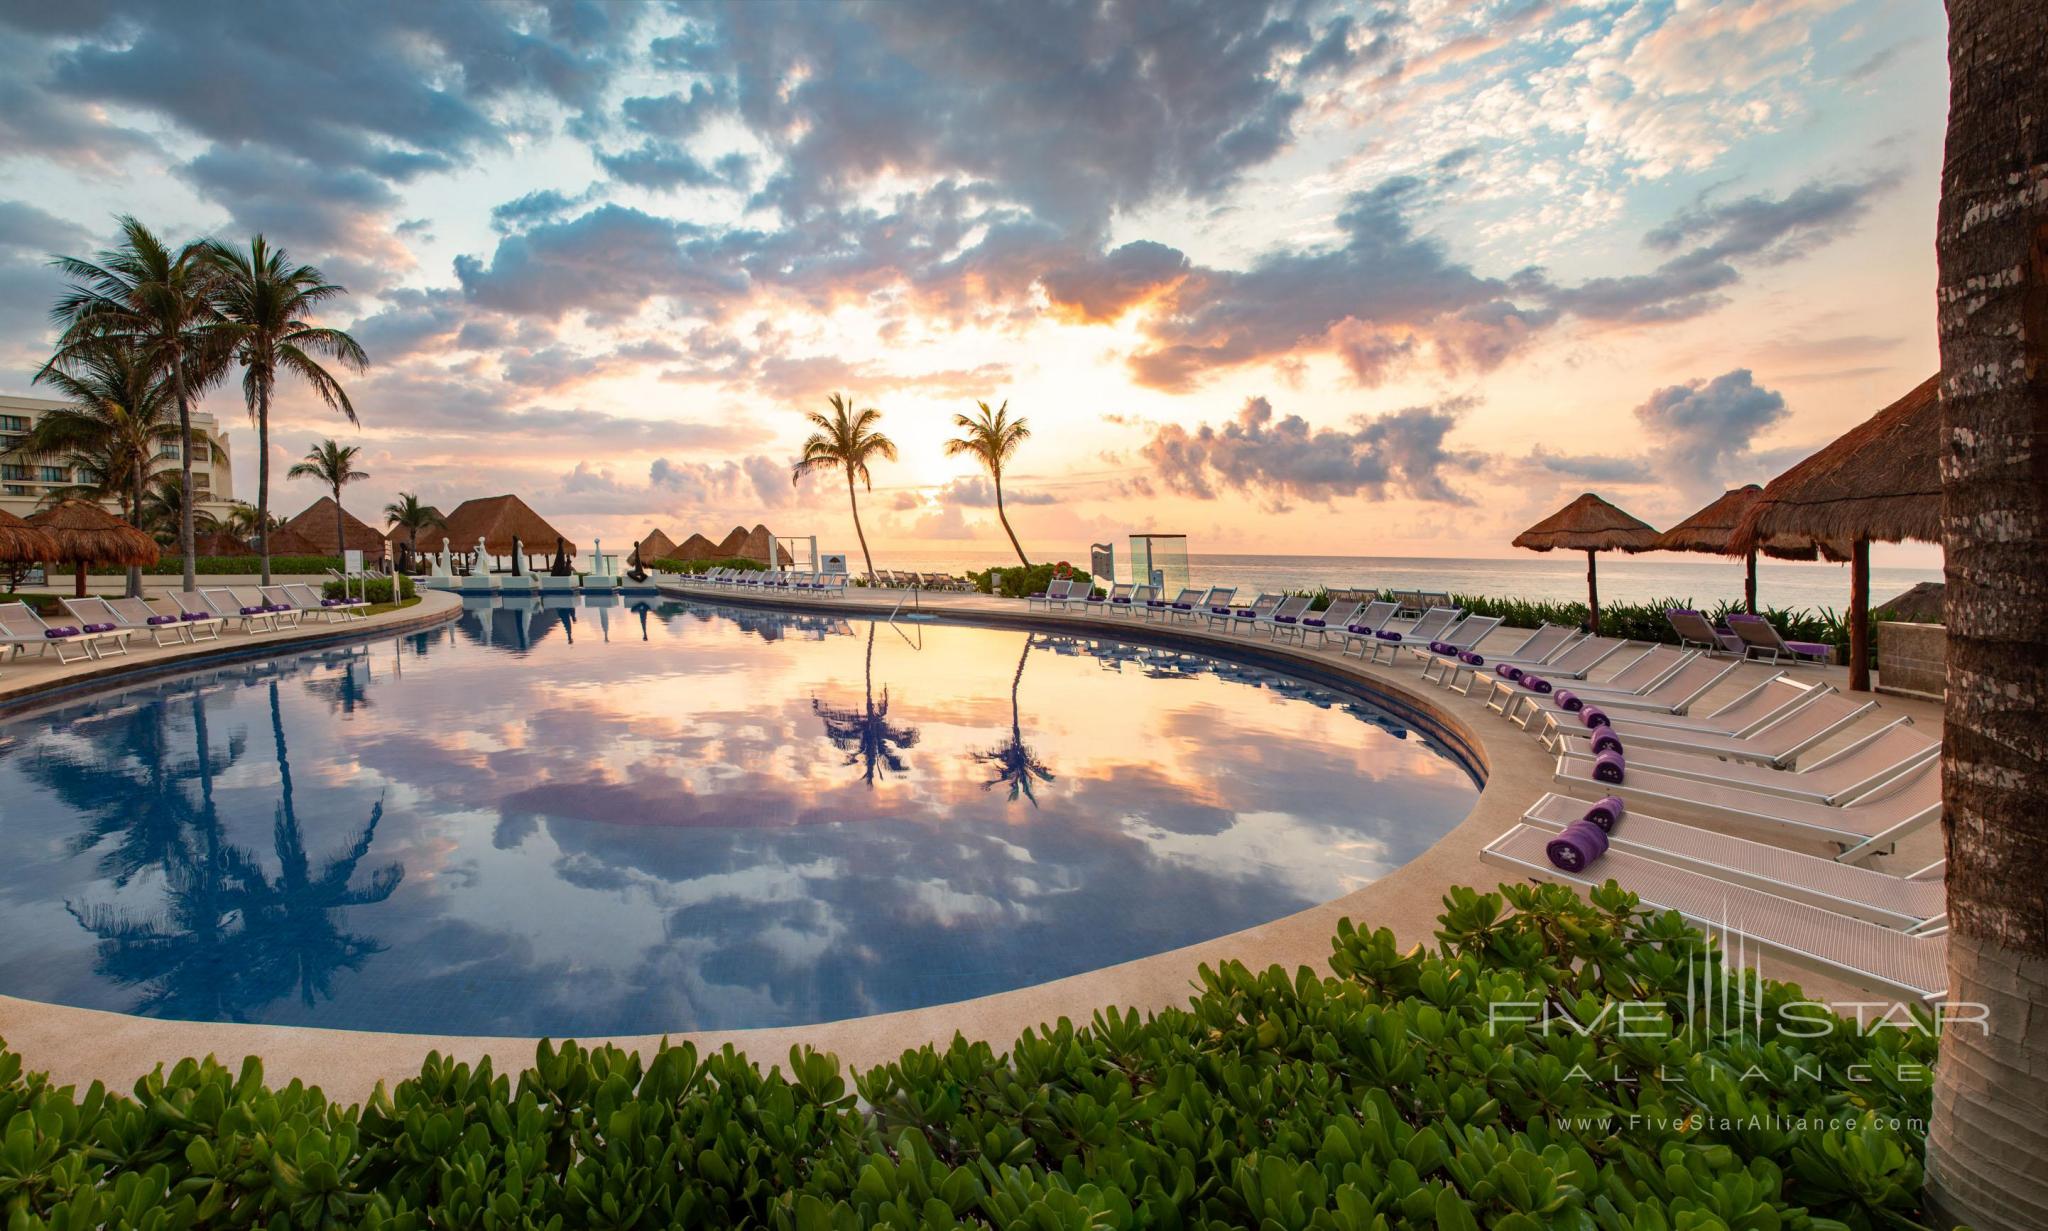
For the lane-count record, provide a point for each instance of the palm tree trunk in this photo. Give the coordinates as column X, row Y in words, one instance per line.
column 1004, row 518
column 853, row 499
column 340, row 527
column 184, row 468
column 1749, row 586
column 1859, row 616
column 263, row 478
column 1593, row 592
column 140, row 482
column 1987, row 1140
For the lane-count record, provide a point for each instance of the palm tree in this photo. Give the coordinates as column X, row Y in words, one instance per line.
column 164, row 507
column 846, row 440
column 335, row 465
column 112, row 434
column 245, row 523
column 866, row 735
column 1016, row 765
column 158, row 301
column 408, row 514
column 264, row 302
column 1986, row 1142
column 992, row 437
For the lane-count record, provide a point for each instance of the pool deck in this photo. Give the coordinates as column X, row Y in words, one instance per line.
column 81, row 1045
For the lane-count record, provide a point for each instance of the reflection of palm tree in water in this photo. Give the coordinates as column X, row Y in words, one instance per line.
column 865, row 734
column 294, row 940
column 1015, row 764
column 229, row 940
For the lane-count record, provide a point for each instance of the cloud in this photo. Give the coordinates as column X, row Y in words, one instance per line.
column 1105, row 287
column 1700, row 427
column 608, row 263
column 396, row 89
column 1593, row 468
column 760, row 479
column 978, row 491
column 338, row 216
column 1401, row 453
column 665, row 165
column 540, row 205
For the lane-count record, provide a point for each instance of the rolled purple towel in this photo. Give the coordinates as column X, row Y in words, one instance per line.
column 1219, row 611
column 1593, row 716
column 257, row 610
column 163, row 619
column 1536, row 684
column 1245, row 613
column 1384, row 635
column 1608, row 767
column 1285, row 619
column 193, row 615
column 330, row 602
column 1508, row 671
column 1358, row 629
column 1470, row 659
column 277, row 607
column 1607, row 813
column 1313, row 622
column 1569, row 701
column 99, row 628
column 1442, row 647
column 1605, row 740
column 65, row 631
column 1579, row 845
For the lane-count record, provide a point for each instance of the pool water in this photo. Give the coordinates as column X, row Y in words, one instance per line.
column 606, row 819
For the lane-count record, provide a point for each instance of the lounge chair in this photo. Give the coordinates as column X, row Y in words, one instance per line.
column 1077, row 597
column 1096, row 602
column 286, row 614
column 1904, row 903
column 1539, row 646
column 279, row 596
column 252, row 617
column 1135, row 602
column 1339, row 616
column 311, row 602
column 1218, row 599
column 1193, row 609
column 21, row 628
column 1853, row 770
column 1055, row 592
column 128, row 614
column 1287, row 616
column 1694, row 629
column 1866, row 952
column 1511, row 699
column 1237, row 616
column 1461, row 638
column 1432, row 625
column 194, row 616
column 1778, row 743
column 1860, row 828
column 1165, row 609
column 1579, row 658
column 1759, row 638
column 1361, row 633
column 1674, row 694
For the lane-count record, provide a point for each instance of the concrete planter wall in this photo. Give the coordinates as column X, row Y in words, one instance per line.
column 1911, row 658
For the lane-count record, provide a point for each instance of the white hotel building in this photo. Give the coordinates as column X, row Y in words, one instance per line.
column 25, row 480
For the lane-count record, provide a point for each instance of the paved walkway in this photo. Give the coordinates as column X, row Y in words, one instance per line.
column 78, row 1045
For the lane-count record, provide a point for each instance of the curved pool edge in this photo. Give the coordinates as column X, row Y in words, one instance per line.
column 77, row 1046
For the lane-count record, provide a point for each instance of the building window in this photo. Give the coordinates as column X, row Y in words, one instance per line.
column 201, row 481
column 13, row 423
column 168, row 452
column 14, row 489
column 90, row 478
column 55, row 474
column 12, row 470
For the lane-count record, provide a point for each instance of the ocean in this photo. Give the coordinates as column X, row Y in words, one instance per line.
column 1556, row 576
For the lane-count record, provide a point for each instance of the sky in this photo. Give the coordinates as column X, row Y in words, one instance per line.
column 1289, row 276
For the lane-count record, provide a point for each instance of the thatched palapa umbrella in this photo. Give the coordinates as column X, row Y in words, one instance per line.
column 21, row 543
column 1712, row 529
column 1878, row 482
column 1591, row 525
column 86, row 535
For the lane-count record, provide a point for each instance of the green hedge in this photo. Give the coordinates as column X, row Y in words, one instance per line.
column 1394, row 1094
column 670, row 565
column 172, row 564
column 1017, row 581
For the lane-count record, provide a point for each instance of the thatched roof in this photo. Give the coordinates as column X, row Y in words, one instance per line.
column 21, row 543
column 87, row 534
column 220, row 545
column 696, row 547
column 757, row 546
column 316, row 523
column 656, row 546
column 285, row 541
column 1881, row 481
column 1923, row 604
column 1711, row 529
column 733, row 544
column 496, row 519
column 1589, row 524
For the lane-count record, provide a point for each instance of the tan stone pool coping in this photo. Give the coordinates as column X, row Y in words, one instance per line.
column 81, row 1045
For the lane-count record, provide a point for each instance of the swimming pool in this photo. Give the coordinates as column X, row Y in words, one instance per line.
column 598, row 818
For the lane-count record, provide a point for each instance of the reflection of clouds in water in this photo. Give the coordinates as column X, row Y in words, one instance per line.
column 638, row 836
